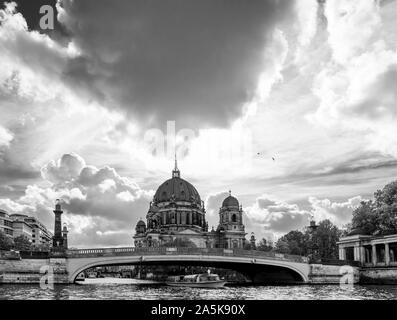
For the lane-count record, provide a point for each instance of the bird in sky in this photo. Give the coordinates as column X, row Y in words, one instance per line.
column 273, row 158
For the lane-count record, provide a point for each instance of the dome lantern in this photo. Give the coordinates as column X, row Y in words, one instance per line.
column 176, row 173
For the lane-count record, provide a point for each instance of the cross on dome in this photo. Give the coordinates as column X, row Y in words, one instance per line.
column 176, row 173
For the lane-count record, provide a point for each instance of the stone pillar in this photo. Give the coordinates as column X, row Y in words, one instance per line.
column 362, row 254
column 357, row 253
column 374, row 258
column 387, row 254
column 342, row 254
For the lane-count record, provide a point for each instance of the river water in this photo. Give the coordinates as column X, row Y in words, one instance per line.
column 156, row 292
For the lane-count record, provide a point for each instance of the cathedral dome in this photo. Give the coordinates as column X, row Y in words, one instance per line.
column 140, row 227
column 177, row 189
column 230, row 201
column 141, row 223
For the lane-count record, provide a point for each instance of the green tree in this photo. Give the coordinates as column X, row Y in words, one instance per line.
column 6, row 243
column 22, row 243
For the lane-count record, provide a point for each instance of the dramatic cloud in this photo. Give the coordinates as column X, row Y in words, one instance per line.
column 194, row 62
column 307, row 87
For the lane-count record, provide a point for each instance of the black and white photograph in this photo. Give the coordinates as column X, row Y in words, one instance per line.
column 198, row 150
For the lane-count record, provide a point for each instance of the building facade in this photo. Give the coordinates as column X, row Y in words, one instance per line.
column 6, row 223
column 369, row 250
column 176, row 217
column 16, row 225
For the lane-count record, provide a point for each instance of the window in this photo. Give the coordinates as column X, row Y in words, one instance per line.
column 234, row 218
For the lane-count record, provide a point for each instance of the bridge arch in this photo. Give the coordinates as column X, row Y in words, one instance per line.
column 241, row 264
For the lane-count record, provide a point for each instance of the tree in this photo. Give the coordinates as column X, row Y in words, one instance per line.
column 6, row 243
column 263, row 245
column 365, row 219
column 325, row 238
column 282, row 246
column 22, row 243
column 378, row 216
column 323, row 241
column 294, row 242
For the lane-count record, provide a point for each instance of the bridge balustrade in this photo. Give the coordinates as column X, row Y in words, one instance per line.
column 99, row 252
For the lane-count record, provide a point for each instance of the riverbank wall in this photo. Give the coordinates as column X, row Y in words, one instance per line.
column 379, row 275
column 35, row 271
column 333, row 274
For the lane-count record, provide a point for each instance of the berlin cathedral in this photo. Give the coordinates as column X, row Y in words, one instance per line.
column 176, row 218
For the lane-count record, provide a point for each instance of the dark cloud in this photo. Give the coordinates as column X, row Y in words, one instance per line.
column 14, row 170
column 191, row 61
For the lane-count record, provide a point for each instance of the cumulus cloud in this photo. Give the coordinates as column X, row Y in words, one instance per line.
column 277, row 216
column 96, row 201
column 213, row 203
column 340, row 213
column 356, row 86
column 68, row 168
column 5, row 137
column 307, row 14
column 352, row 25
column 270, row 215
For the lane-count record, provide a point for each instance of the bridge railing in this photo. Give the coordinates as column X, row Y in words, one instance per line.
column 127, row 251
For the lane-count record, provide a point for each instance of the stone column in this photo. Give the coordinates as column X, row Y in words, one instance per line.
column 374, row 262
column 342, row 254
column 387, row 254
column 362, row 254
column 357, row 253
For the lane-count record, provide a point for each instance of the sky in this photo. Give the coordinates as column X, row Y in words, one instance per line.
column 291, row 105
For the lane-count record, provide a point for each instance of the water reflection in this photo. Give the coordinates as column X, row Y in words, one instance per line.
column 130, row 292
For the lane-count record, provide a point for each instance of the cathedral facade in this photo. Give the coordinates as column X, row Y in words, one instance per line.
column 176, row 218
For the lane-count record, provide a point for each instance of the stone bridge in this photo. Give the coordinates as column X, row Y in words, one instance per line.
column 257, row 265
